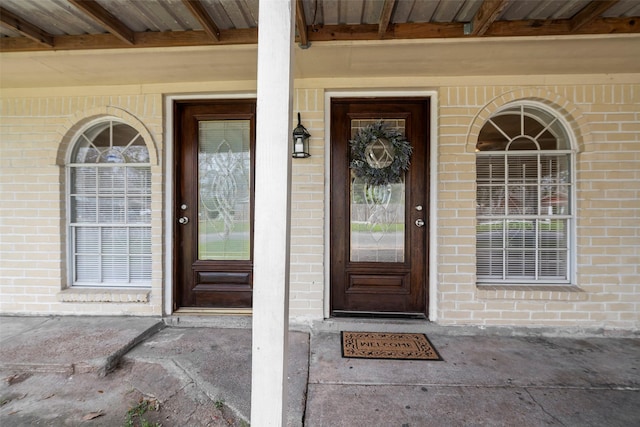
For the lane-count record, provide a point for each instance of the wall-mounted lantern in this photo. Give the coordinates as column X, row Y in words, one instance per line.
column 300, row 141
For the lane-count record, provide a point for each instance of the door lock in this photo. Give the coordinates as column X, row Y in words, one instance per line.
column 419, row 222
column 183, row 220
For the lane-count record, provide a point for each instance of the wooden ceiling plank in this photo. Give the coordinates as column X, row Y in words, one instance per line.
column 486, row 15
column 433, row 30
column 590, row 12
column 25, row 28
column 301, row 25
column 106, row 19
column 399, row 31
column 198, row 10
column 630, row 25
column 168, row 39
column 385, row 17
column 151, row 39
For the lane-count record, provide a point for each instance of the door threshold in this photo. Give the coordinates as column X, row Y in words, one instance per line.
column 198, row 311
column 379, row 315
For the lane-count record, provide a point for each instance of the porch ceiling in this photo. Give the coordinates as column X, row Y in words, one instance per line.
column 104, row 42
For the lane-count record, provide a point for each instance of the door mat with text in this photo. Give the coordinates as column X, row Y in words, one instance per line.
column 387, row 345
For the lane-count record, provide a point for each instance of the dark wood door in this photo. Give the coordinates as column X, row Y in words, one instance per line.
column 379, row 233
column 214, row 146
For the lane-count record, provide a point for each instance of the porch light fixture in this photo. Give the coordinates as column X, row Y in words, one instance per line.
column 300, row 141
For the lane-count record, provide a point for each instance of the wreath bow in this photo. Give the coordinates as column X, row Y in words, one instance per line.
column 380, row 155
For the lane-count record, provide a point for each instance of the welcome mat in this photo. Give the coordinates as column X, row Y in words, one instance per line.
column 385, row 345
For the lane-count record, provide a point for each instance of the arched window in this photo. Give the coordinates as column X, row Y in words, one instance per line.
column 109, row 207
column 524, row 204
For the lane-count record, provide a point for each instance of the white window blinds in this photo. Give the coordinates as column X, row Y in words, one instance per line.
column 110, row 208
column 524, row 207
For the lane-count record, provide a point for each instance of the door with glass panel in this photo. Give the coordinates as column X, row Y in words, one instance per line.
column 379, row 218
column 213, row 213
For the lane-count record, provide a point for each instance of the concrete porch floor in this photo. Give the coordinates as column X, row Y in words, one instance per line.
column 92, row 370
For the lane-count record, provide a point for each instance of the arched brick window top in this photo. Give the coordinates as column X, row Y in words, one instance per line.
column 110, row 142
column 524, row 199
column 109, row 209
column 523, row 127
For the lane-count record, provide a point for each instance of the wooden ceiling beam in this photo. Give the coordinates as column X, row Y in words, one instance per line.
column 385, row 17
column 629, row 25
column 168, row 39
column 165, row 39
column 301, row 25
column 25, row 28
column 590, row 12
column 486, row 15
column 103, row 17
column 198, row 10
column 525, row 28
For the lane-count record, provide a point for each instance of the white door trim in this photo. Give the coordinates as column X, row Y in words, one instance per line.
column 169, row 203
column 433, row 187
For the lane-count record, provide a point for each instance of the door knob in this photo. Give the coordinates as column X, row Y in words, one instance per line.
column 183, row 220
column 419, row 222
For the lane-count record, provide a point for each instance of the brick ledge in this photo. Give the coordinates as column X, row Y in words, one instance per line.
column 104, row 295
column 528, row 293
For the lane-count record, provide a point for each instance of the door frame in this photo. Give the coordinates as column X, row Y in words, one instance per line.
column 169, row 180
column 433, row 187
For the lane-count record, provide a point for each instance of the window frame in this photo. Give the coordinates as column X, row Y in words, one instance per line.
column 525, row 107
column 70, row 226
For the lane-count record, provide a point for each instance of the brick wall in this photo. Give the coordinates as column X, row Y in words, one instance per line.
column 35, row 134
column 606, row 122
column 605, row 118
column 307, row 211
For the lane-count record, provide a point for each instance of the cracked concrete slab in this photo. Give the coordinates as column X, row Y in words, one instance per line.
column 56, row 399
column 219, row 362
column 70, row 344
column 201, row 376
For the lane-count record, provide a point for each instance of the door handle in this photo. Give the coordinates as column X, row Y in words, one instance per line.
column 183, row 220
column 419, row 222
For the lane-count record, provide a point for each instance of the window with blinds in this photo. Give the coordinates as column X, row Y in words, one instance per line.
column 109, row 203
column 524, row 203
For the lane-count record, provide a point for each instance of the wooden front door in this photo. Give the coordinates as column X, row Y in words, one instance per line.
column 214, row 146
column 379, row 233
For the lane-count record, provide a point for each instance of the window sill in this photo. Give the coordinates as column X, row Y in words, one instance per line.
column 104, row 295
column 532, row 292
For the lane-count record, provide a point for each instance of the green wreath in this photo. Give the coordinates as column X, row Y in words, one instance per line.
column 380, row 155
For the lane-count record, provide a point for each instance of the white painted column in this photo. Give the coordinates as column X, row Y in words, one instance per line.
column 272, row 214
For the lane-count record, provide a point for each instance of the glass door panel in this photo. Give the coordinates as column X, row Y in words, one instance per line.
column 224, row 190
column 377, row 212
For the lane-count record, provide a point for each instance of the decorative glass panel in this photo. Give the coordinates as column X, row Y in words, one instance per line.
column 224, row 189
column 377, row 211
